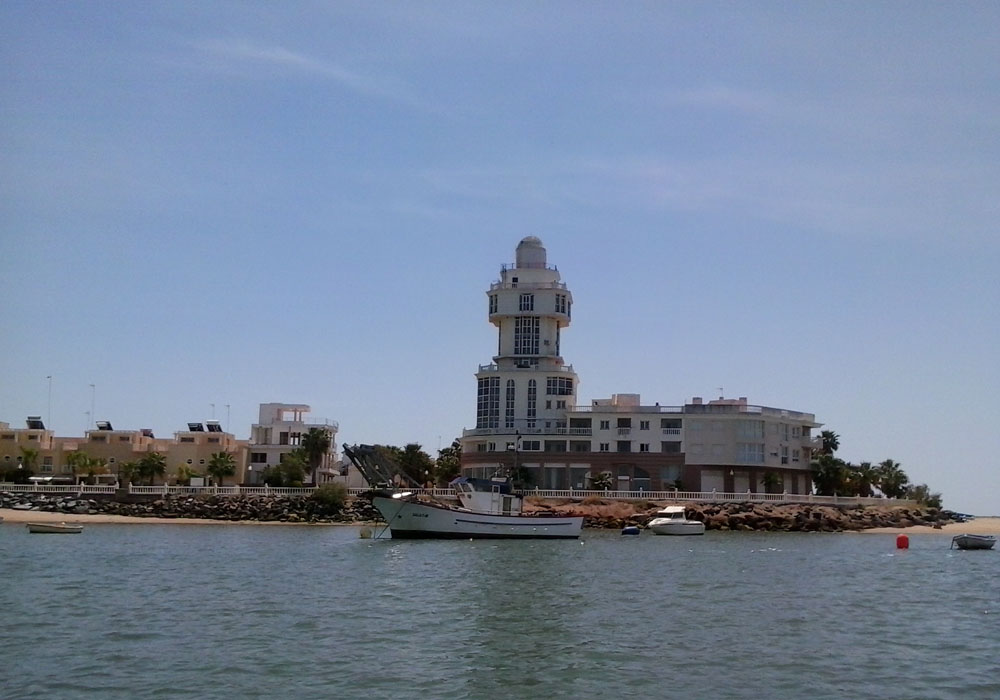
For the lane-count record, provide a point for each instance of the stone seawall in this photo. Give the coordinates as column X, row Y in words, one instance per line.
column 752, row 516
column 597, row 513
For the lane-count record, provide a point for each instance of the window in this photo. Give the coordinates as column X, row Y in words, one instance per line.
column 671, row 447
column 605, row 447
column 481, row 447
column 670, row 423
column 795, row 455
column 548, row 403
column 213, row 440
column 644, row 425
column 579, row 446
column 532, row 401
column 643, row 447
column 493, row 303
column 98, row 438
column 624, row 422
column 784, row 454
column 191, row 439
column 513, row 282
column 559, row 386
column 201, row 461
column 488, row 403
column 7, row 436
column 47, row 468
column 258, row 458
column 32, row 437
column 527, row 302
column 750, row 429
column 531, row 445
column 526, row 333
column 560, row 303
column 124, row 438
column 624, row 445
column 509, row 408
column 749, row 453
column 555, row 445
column 560, row 404
column 605, row 425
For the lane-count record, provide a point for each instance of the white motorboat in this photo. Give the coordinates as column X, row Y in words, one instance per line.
column 490, row 509
column 671, row 521
column 973, row 541
column 54, row 528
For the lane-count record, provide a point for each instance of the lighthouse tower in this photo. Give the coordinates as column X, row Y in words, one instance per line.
column 524, row 394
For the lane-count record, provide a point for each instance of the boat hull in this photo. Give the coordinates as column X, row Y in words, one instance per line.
column 414, row 520
column 691, row 527
column 54, row 529
column 973, row 541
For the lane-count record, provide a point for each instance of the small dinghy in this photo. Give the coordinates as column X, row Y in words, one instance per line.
column 630, row 530
column 54, row 528
column 973, row 541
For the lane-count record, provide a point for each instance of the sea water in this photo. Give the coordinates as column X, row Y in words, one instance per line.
column 189, row 611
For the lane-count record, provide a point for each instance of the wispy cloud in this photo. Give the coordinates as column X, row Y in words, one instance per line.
column 236, row 53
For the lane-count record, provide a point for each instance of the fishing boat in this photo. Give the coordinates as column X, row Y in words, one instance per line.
column 54, row 528
column 488, row 509
column 973, row 541
column 671, row 521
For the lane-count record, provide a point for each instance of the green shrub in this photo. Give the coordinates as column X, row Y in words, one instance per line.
column 331, row 497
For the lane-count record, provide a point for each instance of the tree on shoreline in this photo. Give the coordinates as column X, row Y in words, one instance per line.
column 220, row 465
column 448, row 464
column 151, row 466
column 316, row 445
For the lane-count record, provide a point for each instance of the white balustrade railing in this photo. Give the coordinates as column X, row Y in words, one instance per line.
column 58, row 488
column 573, row 494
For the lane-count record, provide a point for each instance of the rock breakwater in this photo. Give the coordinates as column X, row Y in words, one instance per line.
column 610, row 514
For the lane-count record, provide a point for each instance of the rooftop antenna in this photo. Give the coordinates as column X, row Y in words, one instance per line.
column 722, row 394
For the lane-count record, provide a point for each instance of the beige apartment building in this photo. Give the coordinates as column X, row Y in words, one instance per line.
column 278, row 432
column 527, row 412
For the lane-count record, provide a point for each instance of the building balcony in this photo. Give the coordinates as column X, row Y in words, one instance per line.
column 671, row 431
column 480, row 432
column 493, row 367
column 624, row 432
column 495, row 286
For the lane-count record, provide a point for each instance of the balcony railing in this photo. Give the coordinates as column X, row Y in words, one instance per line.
column 568, row 369
column 671, row 431
column 527, row 285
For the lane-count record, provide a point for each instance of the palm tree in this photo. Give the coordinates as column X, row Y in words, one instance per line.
column 152, row 465
column 831, row 442
column 892, row 480
column 771, row 482
column 863, row 478
column 602, row 481
column 829, row 476
column 448, row 464
column 221, row 465
column 128, row 471
column 293, row 467
column 316, row 445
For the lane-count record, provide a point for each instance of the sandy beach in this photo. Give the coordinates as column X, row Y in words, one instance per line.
column 11, row 516
column 976, row 526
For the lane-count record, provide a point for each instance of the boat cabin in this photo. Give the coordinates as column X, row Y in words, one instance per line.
column 487, row 495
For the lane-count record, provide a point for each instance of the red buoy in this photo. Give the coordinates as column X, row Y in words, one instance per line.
column 902, row 542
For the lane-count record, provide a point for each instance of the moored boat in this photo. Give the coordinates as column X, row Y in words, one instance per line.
column 54, row 528
column 490, row 509
column 973, row 541
column 671, row 521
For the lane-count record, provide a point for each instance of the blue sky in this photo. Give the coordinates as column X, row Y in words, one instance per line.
column 236, row 203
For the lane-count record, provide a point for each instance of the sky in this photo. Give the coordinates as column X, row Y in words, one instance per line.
column 208, row 206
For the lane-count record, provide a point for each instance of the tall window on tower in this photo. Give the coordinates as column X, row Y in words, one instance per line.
column 560, row 303
column 488, row 403
column 493, row 303
column 526, row 333
column 527, row 302
column 509, row 408
column 532, row 402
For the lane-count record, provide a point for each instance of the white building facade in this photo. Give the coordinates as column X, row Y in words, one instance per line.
column 527, row 414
